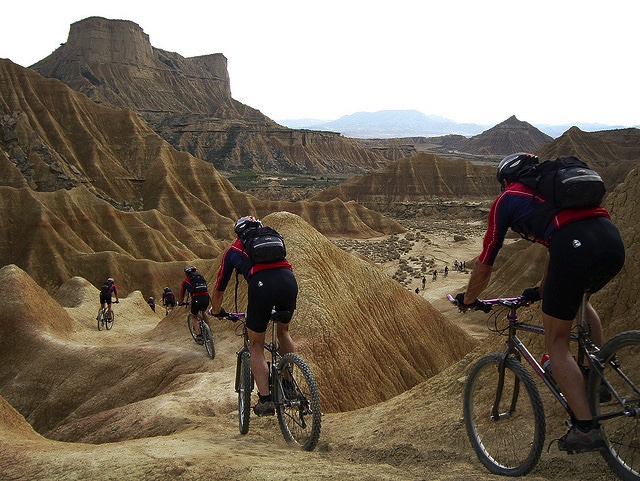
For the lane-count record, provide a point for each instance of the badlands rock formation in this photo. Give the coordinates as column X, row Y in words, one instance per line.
column 107, row 196
column 188, row 102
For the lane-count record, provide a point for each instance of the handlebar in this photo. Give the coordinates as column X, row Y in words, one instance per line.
column 486, row 305
column 234, row 316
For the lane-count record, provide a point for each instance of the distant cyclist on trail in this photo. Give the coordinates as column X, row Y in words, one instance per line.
column 585, row 252
column 195, row 285
column 168, row 299
column 270, row 285
column 152, row 304
column 107, row 290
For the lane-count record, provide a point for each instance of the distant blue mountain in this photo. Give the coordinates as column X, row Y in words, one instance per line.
column 413, row 123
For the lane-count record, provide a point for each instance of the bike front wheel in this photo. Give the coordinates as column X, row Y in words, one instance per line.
column 191, row 329
column 508, row 440
column 620, row 357
column 297, row 402
column 244, row 388
column 207, row 338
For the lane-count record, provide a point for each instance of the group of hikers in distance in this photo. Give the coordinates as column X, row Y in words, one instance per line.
column 585, row 251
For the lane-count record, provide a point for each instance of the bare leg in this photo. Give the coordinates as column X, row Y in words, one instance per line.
column 195, row 324
column 258, row 362
column 593, row 320
column 565, row 369
column 285, row 342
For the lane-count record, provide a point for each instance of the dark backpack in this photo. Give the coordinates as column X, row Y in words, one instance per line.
column 565, row 183
column 198, row 282
column 262, row 244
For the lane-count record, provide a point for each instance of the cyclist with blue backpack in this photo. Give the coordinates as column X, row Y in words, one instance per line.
column 557, row 204
column 194, row 284
column 258, row 254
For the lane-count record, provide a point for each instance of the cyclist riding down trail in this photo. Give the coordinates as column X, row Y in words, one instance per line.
column 585, row 252
column 270, row 285
column 107, row 289
column 195, row 285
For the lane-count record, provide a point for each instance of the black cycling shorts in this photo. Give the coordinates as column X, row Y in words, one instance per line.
column 583, row 257
column 199, row 303
column 105, row 298
column 270, row 289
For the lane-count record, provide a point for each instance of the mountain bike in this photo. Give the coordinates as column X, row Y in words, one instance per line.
column 295, row 393
column 104, row 320
column 503, row 410
column 207, row 337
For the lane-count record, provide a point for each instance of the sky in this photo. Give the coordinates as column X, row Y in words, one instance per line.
column 544, row 61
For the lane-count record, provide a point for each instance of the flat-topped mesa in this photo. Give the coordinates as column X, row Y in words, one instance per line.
column 106, row 41
column 114, row 63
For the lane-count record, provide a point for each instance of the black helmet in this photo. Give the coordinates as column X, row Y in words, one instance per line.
column 511, row 165
column 246, row 222
column 189, row 269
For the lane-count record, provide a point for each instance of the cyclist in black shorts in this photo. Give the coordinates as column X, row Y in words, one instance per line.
column 107, row 290
column 195, row 285
column 270, row 285
column 585, row 252
column 168, row 299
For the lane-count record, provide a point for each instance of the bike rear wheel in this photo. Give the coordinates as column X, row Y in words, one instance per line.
column 207, row 338
column 244, row 388
column 108, row 320
column 101, row 315
column 511, row 443
column 297, row 403
column 621, row 359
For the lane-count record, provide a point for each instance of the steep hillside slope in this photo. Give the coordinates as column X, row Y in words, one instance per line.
column 414, row 180
column 63, row 156
column 613, row 153
column 507, row 137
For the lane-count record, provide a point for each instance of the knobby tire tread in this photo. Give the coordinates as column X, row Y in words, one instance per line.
column 622, row 433
column 207, row 337
column 300, row 420
column 245, row 387
column 512, row 445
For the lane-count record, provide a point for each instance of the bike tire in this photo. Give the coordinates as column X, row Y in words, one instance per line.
column 100, row 320
column 244, row 388
column 510, row 446
column 207, row 338
column 298, row 412
column 190, row 325
column 620, row 357
column 108, row 321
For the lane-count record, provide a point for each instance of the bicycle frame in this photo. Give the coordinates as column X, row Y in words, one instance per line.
column 272, row 346
column 586, row 354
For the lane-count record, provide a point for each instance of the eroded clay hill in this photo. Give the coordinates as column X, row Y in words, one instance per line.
column 417, row 180
column 613, row 153
column 107, row 196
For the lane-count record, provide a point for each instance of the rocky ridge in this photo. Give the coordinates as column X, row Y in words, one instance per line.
column 188, row 102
